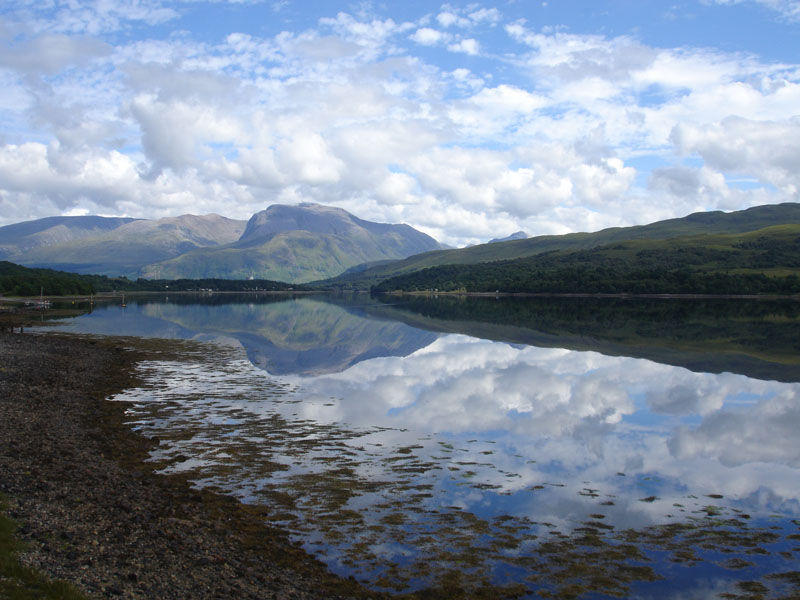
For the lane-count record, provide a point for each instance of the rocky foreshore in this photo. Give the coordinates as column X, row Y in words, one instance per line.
column 92, row 511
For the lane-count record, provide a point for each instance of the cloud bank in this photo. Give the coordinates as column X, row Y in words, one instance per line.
column 465, row 122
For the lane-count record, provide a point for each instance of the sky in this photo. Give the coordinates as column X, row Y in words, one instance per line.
column 466, row 120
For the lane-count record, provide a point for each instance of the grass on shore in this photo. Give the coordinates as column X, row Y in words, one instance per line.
column 18, row 582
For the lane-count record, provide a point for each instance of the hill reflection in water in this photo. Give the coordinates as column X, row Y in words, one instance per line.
column 757, row 338
column 307, row 335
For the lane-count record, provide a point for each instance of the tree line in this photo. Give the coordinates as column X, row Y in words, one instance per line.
column 16, row 280
column 762, row 266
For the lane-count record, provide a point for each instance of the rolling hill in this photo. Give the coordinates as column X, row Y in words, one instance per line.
column 705, row 223
column 765, row 261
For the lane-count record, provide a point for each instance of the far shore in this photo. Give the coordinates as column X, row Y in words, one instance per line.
column 106, row 296
column 595, row 295
column 109, row 296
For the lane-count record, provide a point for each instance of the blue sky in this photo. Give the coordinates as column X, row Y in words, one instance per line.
column 467, row 120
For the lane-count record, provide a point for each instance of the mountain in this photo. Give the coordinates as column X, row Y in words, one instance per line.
column 519, row 235
column 715, row 222
column 22, row 237
column 297, row 244
column 127, row 248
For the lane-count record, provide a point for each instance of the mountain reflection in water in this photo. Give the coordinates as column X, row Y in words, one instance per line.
column 305, row 335
column 602, row 448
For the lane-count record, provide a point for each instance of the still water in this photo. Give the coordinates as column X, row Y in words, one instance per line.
column 584, row 448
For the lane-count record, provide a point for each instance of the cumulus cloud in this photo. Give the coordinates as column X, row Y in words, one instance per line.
column 688, row 182
column 448, row 18
column 429, row 37
column 467, row 46
column 768, row 150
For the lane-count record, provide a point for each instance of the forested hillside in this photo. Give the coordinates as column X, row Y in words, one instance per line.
column 16, row 280
column 21, row 281
column 766, row 261
column 697, row 224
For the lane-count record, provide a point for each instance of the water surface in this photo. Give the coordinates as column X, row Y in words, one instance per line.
column 571, row 447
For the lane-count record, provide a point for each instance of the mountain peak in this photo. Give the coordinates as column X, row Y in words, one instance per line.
column 315, row 218
column 519, row 235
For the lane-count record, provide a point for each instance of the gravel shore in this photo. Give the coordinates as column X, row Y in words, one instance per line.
column 93, row 512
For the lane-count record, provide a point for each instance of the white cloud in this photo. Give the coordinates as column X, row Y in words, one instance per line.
column 198, row 125
column 508, row 98
column 307, row 159
column 489, row 15
column 429, row 37
column 448, row 18
column 767, row 149
column 372, row 35
column 95, row 17
column 353, row 111
column 469, row 16
column 572, row 56
column 50, row 53
column 467, row 46
column 688, row 182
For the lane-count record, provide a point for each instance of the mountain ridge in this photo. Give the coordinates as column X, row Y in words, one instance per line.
column 701, row 223
column 763, row 261
column 292, row 243
column 125, row 249
column 27, row 235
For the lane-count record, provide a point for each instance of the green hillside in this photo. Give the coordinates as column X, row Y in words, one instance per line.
column 716, row 222
column 756, row 262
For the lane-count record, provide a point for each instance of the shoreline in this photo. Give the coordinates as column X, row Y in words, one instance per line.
column 620, row 295
column 91, row 509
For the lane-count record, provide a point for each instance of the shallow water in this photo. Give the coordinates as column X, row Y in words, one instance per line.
column 412, row 456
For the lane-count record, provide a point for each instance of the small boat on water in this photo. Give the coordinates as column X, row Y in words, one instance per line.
column 41, row 303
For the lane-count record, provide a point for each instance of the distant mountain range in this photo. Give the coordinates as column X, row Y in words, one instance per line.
column 286, row 243
column 750, row 251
